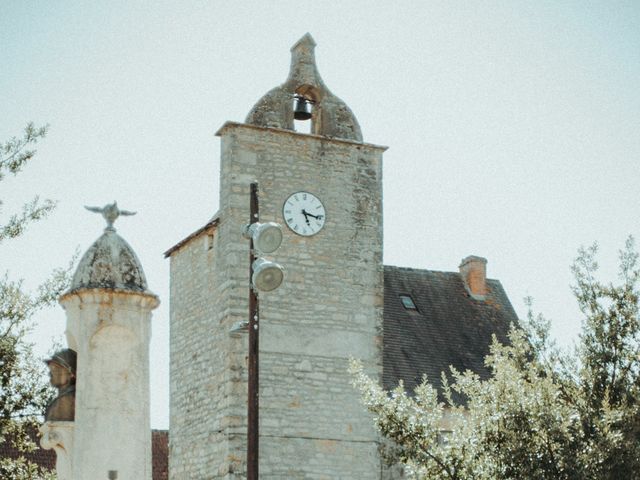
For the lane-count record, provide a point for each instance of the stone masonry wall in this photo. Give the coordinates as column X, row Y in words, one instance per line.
column 329, row 308
column 197, row 366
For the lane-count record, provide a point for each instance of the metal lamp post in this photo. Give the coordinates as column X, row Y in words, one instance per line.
column 264, row 275
column 254, row 337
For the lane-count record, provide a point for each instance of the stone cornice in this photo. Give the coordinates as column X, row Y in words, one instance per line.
column 230, row 125
column 110, row 296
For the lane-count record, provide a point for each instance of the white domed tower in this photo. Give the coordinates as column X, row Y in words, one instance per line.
column 108, row 311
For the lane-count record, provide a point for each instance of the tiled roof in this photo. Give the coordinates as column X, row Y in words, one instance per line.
column 41, row 457
column 47, row 458
column 160, row 454
column 449, row 327
column 209, row 225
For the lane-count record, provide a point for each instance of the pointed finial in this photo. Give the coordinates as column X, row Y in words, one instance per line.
column 110, row 212
column 303, row 69
column 306, row 41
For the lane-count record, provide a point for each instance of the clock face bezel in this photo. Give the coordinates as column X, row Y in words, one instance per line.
column 303, row 232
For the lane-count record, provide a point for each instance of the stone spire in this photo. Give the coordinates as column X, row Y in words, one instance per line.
column 331, row 116
column 303, row 68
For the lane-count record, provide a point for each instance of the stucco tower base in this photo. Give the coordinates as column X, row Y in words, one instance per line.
column 111, row 330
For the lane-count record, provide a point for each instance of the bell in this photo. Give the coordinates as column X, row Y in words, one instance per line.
column 301, row 108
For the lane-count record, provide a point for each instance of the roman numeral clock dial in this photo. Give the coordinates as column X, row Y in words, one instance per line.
column 304, row 213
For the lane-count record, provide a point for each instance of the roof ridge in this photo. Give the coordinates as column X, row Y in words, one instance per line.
column 411, row 269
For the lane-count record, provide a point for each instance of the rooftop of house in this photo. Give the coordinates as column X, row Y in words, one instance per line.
column 47, row 458
column 436, row 319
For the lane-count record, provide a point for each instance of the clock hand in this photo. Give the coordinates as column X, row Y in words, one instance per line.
column 306, row 216
column 317, row 217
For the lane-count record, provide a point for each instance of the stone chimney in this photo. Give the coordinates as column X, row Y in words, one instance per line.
column 473, row 271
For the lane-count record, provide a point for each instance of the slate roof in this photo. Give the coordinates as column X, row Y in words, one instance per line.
column 159, row 454
column 449, row 327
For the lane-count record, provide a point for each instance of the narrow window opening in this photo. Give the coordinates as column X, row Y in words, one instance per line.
column 407, row 302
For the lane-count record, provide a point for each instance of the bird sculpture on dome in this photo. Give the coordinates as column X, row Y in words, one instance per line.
column 110, row 212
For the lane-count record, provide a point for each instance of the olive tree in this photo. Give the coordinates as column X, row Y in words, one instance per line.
column 24, row 390
column 543, row 413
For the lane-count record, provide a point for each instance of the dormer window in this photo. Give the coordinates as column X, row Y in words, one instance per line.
column 407, row 302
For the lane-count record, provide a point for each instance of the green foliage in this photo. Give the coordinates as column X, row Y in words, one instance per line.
column 14, row 154
column 22, row 469
column 543, row 413
column 24, row 390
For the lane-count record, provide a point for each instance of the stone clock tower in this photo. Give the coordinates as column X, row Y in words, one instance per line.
column 328, row 309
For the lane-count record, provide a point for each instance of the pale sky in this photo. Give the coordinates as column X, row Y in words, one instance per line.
column 513, row 129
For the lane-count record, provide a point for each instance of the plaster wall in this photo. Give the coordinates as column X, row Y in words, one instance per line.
column 110, row 331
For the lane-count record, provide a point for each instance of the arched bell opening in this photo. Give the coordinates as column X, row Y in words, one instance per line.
column 305, row 107
column 280, row 108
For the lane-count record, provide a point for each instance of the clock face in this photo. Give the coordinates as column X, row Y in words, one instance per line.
column 304, row 213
